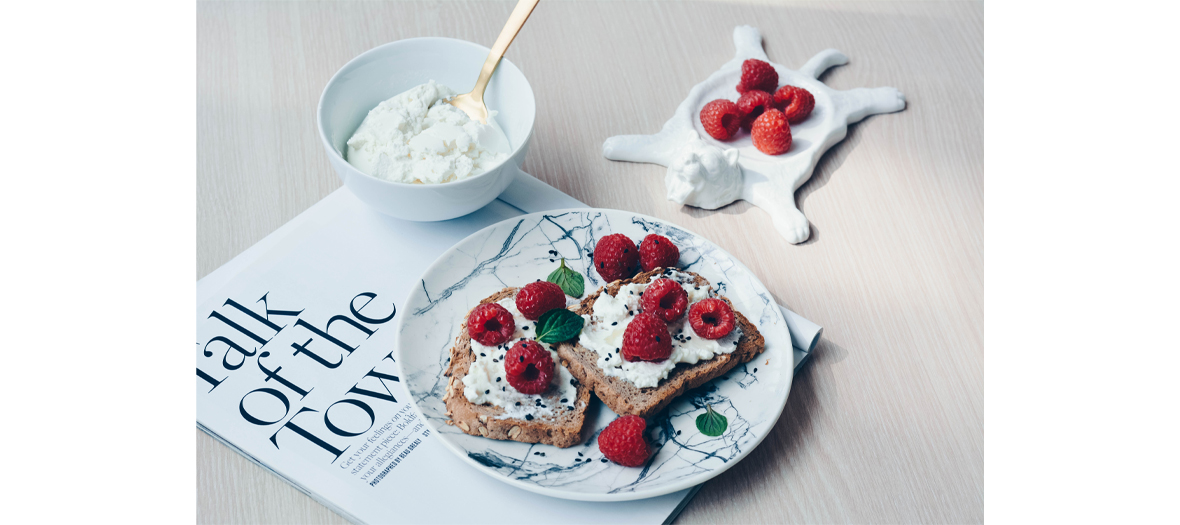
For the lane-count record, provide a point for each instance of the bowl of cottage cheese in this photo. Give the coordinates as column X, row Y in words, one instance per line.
column 397, row 144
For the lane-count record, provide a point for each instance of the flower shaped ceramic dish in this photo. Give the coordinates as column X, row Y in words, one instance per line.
column 702, row 169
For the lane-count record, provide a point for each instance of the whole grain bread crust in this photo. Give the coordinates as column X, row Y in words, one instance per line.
column 622, row 396
column 564, row 429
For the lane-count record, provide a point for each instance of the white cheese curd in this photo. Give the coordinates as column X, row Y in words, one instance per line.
column 604, row 330
column 416, row 137
column 481, row 385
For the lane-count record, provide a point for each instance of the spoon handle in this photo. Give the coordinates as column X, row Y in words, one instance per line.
column 519, row 15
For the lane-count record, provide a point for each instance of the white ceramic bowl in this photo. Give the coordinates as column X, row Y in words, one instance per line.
column 387, row 70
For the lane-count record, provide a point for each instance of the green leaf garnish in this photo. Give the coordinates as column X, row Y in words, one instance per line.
column 711, row 423
column 558, row 325
column 571, row 282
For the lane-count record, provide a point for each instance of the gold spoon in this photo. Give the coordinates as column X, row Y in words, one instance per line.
column 472, row 103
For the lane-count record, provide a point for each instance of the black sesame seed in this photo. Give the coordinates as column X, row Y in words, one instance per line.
column 656, row 241
column 573, row 381
column 689, row 338
column 600, row 265
column 641, row 294
column 542, row 454
column 735, row 343
column 657, row 338
column 696, row 287
column 755, row 370
column 481, row 354
column 614, row 323
column 497, row 379
column 604, row 460
column 487, row 391
column 571, row 407
column 632, row 292
column 522, row 359
column 518, row 403
column 524, row 327
column 528, row 417
column 494, row 360
column 536, row 453
column 580, row 454
column 625, row 250
column 550, row 260
column 563, row 400
column 677, row 432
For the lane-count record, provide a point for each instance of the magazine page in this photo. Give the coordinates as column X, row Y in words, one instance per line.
column 296, row 370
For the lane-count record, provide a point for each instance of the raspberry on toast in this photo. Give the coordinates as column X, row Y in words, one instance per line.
column 562, row 429
column 622, row 396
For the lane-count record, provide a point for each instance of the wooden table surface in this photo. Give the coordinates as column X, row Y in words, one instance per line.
column 886, row 423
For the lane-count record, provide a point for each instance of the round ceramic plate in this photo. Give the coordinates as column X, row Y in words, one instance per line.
column 523, row 249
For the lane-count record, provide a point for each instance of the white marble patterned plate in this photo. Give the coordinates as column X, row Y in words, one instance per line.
column 526, row 248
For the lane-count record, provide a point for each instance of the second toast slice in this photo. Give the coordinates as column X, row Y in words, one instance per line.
column 623, row 396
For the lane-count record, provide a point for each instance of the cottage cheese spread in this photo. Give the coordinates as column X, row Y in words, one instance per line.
column 416, row 137
column 604, row 329
column 704, row 176
column 485, row 381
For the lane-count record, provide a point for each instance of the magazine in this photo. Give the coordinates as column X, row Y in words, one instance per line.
column 296, row 369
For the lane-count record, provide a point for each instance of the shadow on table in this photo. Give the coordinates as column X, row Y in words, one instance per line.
column 772, row 458
column 831, row 160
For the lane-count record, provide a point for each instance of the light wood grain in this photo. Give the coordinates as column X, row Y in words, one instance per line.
column 886, row 424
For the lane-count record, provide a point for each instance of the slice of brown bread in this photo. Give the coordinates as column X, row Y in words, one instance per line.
column 562, row 429
column 622, row 396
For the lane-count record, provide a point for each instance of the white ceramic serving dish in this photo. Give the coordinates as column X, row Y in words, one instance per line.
column 387, row 70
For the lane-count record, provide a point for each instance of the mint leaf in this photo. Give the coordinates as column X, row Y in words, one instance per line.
column 558, row 325
column 711, row 423
column 571, row 282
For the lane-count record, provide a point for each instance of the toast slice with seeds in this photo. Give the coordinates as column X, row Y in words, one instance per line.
column 621, row 395
column 562, row 428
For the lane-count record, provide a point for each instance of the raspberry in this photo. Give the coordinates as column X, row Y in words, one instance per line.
column 646, row 339
column 772, row 134
column 665, row 299
column 711, row 318
column 656, row 251
column 721, row 119
column 616, row 257
column 539, row 297
column 796, row 102
column 622, row 441
column 490, row 324
column 752, row 104
column 528, row 367
column 757, row 74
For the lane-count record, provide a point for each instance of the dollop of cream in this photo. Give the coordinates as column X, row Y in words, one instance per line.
column 703, row 175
